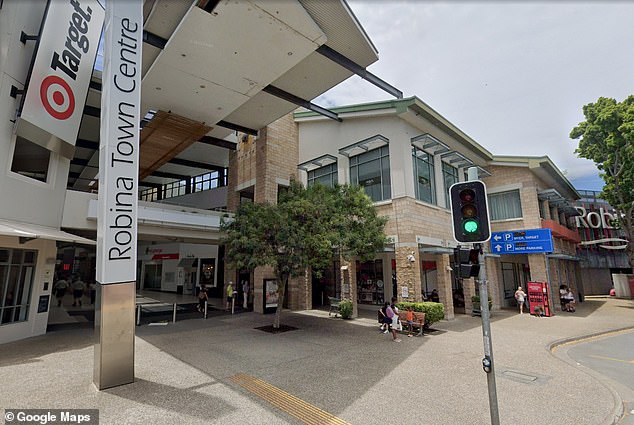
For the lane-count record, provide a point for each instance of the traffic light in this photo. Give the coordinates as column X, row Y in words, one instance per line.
column 470, row 212
column 467, row 262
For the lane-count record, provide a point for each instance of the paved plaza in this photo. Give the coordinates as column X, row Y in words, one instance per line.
column 223, row 371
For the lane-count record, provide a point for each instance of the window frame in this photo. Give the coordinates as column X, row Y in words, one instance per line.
column 430, row 163
column 383, row 158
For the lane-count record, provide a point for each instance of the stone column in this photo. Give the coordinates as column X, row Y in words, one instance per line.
column 408, row 273
column 444, row 285
column 469, row 290
column 349, row 284
column 494, row 281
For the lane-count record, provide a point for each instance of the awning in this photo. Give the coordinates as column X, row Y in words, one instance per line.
column 33, row 231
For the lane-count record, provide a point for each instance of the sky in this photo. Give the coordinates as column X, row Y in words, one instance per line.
column 514, row 76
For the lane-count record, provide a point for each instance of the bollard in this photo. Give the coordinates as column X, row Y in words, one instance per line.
column 174, row 315
column 205, row 309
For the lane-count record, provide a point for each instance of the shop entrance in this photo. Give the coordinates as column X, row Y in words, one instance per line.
column 326, row 286
column 370, row 285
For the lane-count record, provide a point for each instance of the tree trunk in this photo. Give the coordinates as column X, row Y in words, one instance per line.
column 281, row 289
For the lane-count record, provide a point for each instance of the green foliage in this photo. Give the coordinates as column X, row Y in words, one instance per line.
column 607, row 138
column 345, row 309
column 476, row 300
column 305, row 229
column 434, row 312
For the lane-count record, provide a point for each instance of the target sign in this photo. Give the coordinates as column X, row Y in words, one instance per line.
column 57, row 97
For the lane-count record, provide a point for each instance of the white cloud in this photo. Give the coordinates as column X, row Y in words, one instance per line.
column 514, row 76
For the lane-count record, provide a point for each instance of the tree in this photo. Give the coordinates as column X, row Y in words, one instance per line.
column 607, row 138
column 304, row 230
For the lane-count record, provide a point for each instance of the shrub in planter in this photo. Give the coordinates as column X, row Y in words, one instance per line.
column 434, row 312
column 476, row 302
column 345, row 309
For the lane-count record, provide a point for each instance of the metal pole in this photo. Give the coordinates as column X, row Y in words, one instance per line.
column 138, row 314
column 233, row 303
column 487, row 362
column 205, row 309
column 174, row 314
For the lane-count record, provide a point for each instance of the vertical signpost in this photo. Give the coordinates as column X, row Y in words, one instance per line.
column 118, row 193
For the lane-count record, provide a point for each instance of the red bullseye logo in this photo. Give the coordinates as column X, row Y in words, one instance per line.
column 57, row 97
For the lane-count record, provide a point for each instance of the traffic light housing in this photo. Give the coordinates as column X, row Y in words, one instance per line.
column 470, row 212
column 467, row 262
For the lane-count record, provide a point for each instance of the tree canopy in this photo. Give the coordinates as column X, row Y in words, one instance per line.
column 607, row 138
column 304, row 230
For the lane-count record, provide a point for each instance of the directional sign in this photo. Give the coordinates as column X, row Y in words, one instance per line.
column 530, row 241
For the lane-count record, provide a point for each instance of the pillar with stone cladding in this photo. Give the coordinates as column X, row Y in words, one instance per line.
column 445, row 292
column 469, row 290
column 348, row 272
column 492, row 270
column 408, row 273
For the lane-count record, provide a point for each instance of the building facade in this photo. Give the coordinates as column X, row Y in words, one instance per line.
column 406, row 156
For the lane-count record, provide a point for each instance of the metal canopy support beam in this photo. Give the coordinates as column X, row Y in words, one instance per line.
column 154, row 40
column 350, row 65
column 289, row 97
column 236, row 127
column 87, row 144
column 164, row 175
column 196, row 164
column 214, row 141
column 149, row 184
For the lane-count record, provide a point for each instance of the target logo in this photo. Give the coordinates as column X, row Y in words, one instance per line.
column 57, row 97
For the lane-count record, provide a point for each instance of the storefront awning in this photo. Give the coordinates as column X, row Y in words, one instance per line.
column 30, row 231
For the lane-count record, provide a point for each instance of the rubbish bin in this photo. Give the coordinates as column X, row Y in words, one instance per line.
column 179, row 289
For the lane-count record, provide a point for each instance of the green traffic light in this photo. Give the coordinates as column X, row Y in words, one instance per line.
column 470, row 226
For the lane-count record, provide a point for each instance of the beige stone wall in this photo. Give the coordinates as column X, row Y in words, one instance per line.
column 265, row 162
column 408, row 274
column 444, row 285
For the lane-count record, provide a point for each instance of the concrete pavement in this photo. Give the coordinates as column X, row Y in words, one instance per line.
column 186, row 372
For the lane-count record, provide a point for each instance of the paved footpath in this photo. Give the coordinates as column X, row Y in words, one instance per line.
column 328, row 371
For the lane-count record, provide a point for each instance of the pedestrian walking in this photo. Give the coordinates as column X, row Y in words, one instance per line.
column 520, row 296
column 202, row 298
column 392, row 312
column 60, row 288
column 229, row 295
column 78, row 290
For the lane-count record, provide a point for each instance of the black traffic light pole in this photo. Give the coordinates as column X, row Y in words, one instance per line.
column 487, row 361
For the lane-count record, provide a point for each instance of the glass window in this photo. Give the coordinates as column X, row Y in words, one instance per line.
column 30, row 160
column 17, row 270
column 371, row 170
column 424, row 176
column 505, row 205
column 450, row 176
column 326, row 175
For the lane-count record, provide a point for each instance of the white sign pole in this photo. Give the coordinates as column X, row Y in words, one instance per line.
column 118, row 194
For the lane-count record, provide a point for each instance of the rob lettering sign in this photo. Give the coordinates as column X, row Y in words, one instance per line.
column 119, row 145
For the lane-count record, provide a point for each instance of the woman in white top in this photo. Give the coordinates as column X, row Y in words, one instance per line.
column 520, row 296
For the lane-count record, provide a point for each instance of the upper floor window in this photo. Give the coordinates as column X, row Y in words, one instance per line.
column 30, row 160
column 326, row 175
column 450, row 176
column 371, row 170
column 424, row 184
column 505, row 205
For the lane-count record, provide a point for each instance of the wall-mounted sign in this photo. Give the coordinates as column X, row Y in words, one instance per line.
column 119, row 144
column 65, row 57
column 42, row 304
column 595, row 220
column 530, row 241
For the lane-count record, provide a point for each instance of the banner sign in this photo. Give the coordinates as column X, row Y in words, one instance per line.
column 119, row 144
column 65, row 57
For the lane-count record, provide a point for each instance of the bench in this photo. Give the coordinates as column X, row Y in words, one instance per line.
column 418, row 322
column 334, row 305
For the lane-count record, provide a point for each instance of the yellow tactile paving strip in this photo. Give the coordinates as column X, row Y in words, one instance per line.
column 286, row 402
